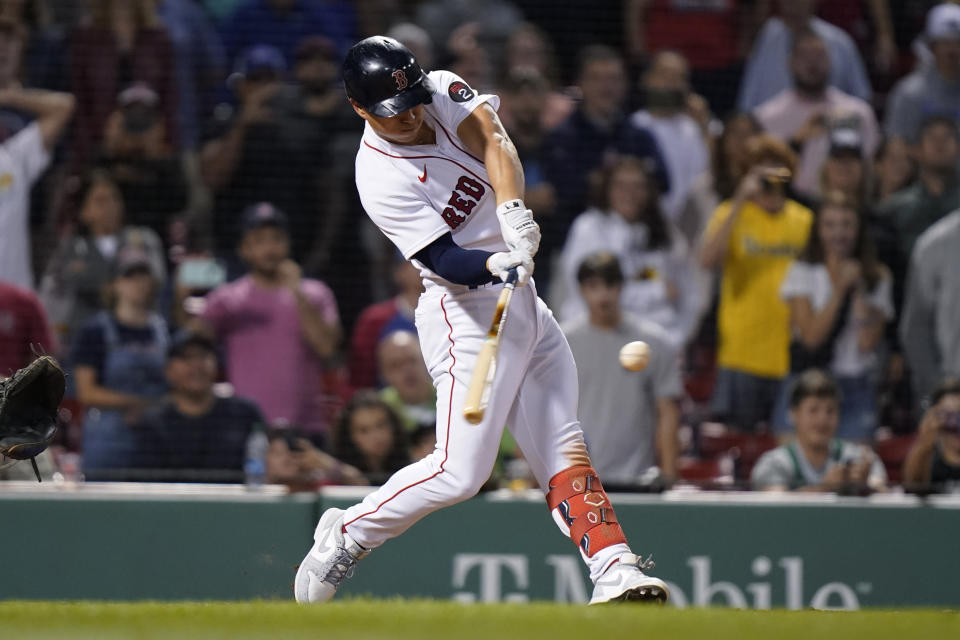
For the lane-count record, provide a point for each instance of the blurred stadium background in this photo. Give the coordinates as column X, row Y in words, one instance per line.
column 228, row 384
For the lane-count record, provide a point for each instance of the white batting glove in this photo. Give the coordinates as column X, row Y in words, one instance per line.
column 499, row 264
column 519, row 230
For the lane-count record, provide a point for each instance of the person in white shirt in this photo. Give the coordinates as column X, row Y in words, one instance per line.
column 677, row 118
column 440, row 177
column 23, row 159
column 661, row 284
column 840, row 300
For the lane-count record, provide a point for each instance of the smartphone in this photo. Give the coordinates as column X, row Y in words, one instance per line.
column 201, row 272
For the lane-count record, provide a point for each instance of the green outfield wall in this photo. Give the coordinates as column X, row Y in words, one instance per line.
column 746, row 550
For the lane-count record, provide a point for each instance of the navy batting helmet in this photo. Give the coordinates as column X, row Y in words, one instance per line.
column 384, row 78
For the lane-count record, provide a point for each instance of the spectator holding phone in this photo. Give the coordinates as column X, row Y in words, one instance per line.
column 278, row 328
column 816, row 460
column 295, row 461
column 123, row 42
column 136, row 152
column 754, row 237
column 196, row 274
column 805, row 114
column 237, row 159
column 280, row 145
column 934, row 458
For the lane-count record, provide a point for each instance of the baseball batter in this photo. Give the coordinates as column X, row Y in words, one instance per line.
column 439, row 176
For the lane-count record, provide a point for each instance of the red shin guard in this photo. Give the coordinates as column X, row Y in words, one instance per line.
column 578, row 495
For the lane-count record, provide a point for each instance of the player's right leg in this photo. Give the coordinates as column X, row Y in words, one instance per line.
column 451, row 332
column 545, row 426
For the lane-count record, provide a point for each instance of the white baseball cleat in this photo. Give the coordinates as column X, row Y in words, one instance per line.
column 331, row 559
column 625, row 581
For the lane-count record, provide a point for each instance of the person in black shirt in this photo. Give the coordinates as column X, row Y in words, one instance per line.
column 195, row 435
column 934, row 458
column 276, row 145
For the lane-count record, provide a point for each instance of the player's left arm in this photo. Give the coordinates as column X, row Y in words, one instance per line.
column 484, row 136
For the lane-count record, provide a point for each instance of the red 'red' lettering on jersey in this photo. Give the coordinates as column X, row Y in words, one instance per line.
column 462, row 206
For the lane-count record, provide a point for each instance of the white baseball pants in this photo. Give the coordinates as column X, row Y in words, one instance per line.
column 534, row 391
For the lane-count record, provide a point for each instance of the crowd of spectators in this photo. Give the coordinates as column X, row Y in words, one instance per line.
column 764, row 191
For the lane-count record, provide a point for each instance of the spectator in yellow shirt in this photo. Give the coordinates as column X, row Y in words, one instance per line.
column 754, row 237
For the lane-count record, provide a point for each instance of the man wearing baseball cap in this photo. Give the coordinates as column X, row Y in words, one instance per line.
column 242, row 160
column 934, row 87
column 269, row 148
column 195, row 434
column 277, row 327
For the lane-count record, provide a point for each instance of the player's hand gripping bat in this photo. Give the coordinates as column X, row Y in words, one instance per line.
column 478, row 392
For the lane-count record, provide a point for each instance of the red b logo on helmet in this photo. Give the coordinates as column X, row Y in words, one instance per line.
column 400, row 78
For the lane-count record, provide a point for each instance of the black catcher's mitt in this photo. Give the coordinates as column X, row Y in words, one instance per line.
column 29, row 400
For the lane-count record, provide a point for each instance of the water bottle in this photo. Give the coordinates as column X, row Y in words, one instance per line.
column 255, row 461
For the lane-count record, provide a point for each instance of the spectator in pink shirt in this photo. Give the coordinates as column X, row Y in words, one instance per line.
column 805, row 114
column 277, row 327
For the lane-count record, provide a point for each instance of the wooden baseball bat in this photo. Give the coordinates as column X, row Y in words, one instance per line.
column 478, row 393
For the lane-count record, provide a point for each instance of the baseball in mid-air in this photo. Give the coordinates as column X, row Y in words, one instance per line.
column 634, row 356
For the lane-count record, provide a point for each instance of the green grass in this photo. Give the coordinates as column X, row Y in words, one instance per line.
column 426, row 620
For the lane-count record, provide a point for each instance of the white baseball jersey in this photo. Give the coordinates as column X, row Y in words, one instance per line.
column 417, row 193
column 23, row 158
